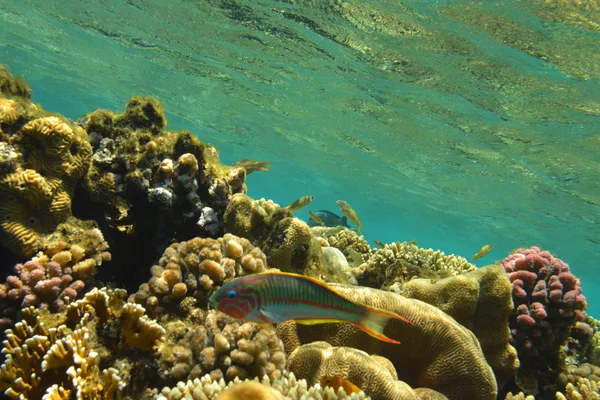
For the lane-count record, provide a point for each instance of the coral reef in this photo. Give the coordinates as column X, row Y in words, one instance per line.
column 548, row 303
column 436, row 352
column 319, row 360
column 61, row 355
column 140, row 169
column 67, row 262
column 42, row 158
column 344, row 240
column 286, row 386
column 481, row 301
column 195, row 269
column 287, row 241
column 400, row 262
column 216, row 344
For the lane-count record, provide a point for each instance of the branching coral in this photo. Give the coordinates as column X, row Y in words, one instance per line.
column 400, row 262
column 548, row 303
column 195, row 268
column 436, row 352
column 344, row 240
column 287, row 386
column 221, row 346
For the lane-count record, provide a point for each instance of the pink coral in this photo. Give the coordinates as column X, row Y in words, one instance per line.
column 548, row 303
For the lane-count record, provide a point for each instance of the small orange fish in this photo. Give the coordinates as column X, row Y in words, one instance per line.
column 336, row 382
column 252, row 166
column 483, row 252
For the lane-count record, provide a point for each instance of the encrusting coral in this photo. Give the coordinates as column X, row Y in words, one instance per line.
column 61, row 354
column 194, row 269
column 67, row 262
column 319, row 360
column 548, row 303
column 436, row 352
column 400, row 262
column 481, row 301
column 285, row 386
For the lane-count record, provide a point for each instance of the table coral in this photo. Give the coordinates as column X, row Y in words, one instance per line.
column 400, row 262
column 548, row 302
column 481, row 301
column 318, row 360
column 206, row 388
column 436, row 352
column 220, row 346
column 195, row 268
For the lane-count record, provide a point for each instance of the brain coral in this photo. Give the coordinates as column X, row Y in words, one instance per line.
column 318, row 360
column 400, row 262
column 436, row 352
column 195, row 268
column 481, row 301
column 548, row 302
column 29, row 207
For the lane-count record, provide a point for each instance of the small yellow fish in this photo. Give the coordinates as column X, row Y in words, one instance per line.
column 414, row 241
column 355, row 256
column 336, row 382
column 316, row 218
column 300, row 203
column 379, row 244
column 252, row 166
column 349, row 212
column 483, row 252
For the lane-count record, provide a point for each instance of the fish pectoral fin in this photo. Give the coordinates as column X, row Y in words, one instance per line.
column 271, row 317
column 318, row 321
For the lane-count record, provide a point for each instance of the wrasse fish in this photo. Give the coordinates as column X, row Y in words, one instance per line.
column 336, row 382
column 329, row 219
column 349, row 212
column 274, row 297
column 300, row 203
column 483, row 252
column 252, row 166
column 316, row 218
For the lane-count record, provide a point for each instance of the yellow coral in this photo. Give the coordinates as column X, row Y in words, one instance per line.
column 10, row 111
column 140, row 331
column 56, row 150
column 29, row 206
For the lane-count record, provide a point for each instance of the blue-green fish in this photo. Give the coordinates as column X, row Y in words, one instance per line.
column 275, row 297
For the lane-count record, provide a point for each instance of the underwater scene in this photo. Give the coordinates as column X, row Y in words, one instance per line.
column 299, row 199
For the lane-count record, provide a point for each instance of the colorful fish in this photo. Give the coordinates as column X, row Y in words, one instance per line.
column 483, row 252
column 329, row 219
column 300, row 203
column 336, row 382
column 276, row 297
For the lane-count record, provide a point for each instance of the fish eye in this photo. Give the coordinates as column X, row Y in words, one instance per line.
column 231, row 294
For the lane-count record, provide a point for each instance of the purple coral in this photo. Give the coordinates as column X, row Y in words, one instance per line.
column 40, row 285
column 548, row 303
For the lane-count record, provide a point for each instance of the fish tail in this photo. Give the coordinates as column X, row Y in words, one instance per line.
column 375, row 320
column 344, row 221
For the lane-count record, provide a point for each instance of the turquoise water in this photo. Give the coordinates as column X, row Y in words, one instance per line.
column 451, row 122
